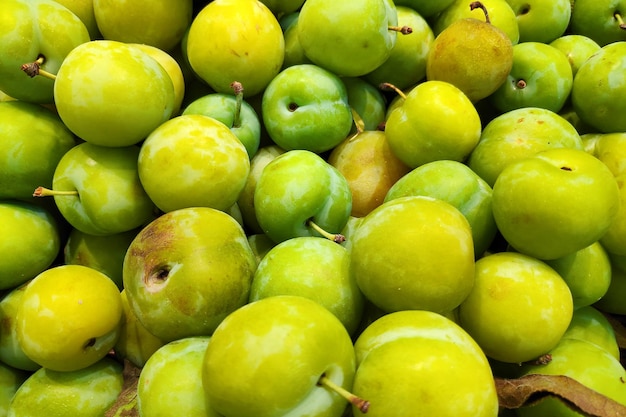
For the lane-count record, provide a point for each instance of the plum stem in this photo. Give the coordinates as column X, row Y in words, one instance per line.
column 33, row 69
column 521, row 84
column 238, row 90
column 620, row 20
column 46, row 192
column 405, row 30
column 478, row 5
column 358, row 123
column 337, row 238
column 360, row 403
column 389, row 86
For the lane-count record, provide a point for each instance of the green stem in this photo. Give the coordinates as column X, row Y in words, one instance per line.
column 337, row 238
column 46, row 192
column 360, row 403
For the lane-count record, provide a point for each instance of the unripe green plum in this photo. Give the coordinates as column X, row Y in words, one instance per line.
column 170, row 382
column 103, row 253
column 33, row 141
column 591, row 325
column 236, row 40
column 112, row 94
column 186, row 271
column 193, row 161
column 510, row 327
column 588, row 364
column 268, row 357
column 87, row 392
column 30, row 30
column 135, row 344
column 30, row 242
column 405, row 363
column 299, row 187
column 398, row 253
column 98, row 190
column 69, row 317
column 587, row 273
column 350, row 38
column 435, row 121
column 10, row 381
column 158, row 23
column 315, row 268
column 83, row 9
column 454, row 183
column 517, row 134
column 11, row 353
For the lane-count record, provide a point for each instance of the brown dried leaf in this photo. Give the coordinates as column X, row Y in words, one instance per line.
column 530, row 389
column 126, row 403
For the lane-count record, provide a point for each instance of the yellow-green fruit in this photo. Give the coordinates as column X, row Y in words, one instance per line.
column 236, row 40
column 473, row 55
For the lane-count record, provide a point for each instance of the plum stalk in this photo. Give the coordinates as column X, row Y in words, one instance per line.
column 33, row 69
column 238, row 90
column 360, row 403
column 620, row 20
column 335, row 237
column 46, row 192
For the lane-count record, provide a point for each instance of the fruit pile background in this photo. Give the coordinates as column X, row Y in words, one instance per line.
column 312, row 208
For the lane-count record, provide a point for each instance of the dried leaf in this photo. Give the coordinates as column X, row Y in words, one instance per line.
column 530, row 389
column 126, row 403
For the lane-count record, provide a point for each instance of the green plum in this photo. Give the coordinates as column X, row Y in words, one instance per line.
column 590, row 325
column 315, row 268
column 87, row 392
column 517, row 134
column 31, row 31
column 540, row 20
column 170, row 382
column 541, row 76
column 595, row 96
column 252, row 54
column 83, row 9
column 454, row 183
column 554, row 203
column 187, row 270
column 435, row 120
column 11, row 353
column 350, row 38
column 406, row 64
column 405, row 362
column 577, row 48
column 609, row 148
column 30, row 242
column 189, row 153
column 397, row 254
column 588, row 364
column 103, row 253
column 33, row 141
column 298, row 193
column 69, row 317
column 130, row 22
column 273, row 357
column 93, row 96
column 11, row 379
column 98, row 190
column 260, row 244
column 236, row 113
column 518, row 309
column 587, row 273
column 367, row 101
column 294, row 54
column 135, row 343
column 426, row 8
column 613, row 300
column 306, row 107
column 600, row 20
column 245, row 201
column 173, row 69
column 501, row 15
column 282, row 7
